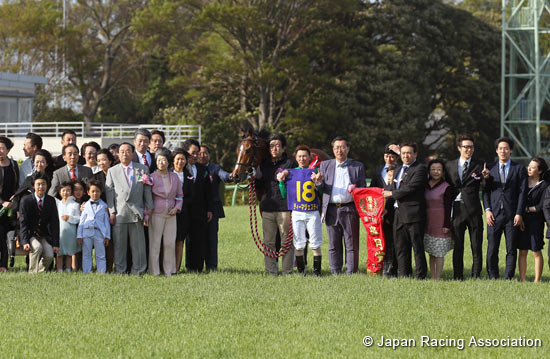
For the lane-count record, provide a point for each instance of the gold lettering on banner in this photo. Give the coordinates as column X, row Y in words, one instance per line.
column 373, row 231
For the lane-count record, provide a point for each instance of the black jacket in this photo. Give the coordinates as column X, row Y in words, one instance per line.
column 200, row 199
column 272, row 200
column 410, row 194
column 47, row 222
column 469, row 186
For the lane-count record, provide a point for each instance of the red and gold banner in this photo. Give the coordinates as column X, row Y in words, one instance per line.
column 370, row 206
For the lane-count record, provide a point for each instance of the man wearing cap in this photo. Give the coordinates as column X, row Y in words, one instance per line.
column 382, row 179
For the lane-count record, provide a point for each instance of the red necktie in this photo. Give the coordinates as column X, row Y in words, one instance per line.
column 73, row 174
column 145, row 162
column 39, row 213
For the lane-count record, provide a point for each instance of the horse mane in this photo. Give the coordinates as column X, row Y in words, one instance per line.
column 263, row 134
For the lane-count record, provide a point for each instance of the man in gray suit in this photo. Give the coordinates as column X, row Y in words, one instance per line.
column 339, row 214
column 130, row 203
column 71, row 171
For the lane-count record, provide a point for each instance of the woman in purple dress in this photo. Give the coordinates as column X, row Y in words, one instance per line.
column 439, row 199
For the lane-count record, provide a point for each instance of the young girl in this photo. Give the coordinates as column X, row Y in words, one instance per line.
column 79, row 192
column 69, row 215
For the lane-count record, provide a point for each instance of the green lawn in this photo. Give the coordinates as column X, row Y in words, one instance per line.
column 240, row 312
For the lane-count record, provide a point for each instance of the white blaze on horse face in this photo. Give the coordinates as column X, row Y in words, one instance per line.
column 239, row 156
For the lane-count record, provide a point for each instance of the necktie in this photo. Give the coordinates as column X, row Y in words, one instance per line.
column 73, row 173
column 95, row 203
column 464, row 170
column 405, row 168
column 502, row 174
column 129, row 175
column 145, row 162
column 38, row 233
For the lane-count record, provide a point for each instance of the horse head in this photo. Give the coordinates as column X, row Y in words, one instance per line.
column 246, row 156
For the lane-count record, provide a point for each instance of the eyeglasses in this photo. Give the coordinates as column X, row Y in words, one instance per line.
column 468, row 147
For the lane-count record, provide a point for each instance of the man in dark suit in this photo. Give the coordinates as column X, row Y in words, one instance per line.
column 142, row 137
column 338, row 209
column 464, row 175
column 71, row 171
column 381, row 179
column 504, row 199
column 201, row 208
column 39, row 226
column 68, row 137
column 410, row 213
column 217, row 174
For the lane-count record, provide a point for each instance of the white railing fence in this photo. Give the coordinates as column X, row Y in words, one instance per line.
column 175, row 134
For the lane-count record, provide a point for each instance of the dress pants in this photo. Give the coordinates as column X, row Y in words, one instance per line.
column 89, row 243
column 389, row 268
column 40, row 248
column 474, row 223
column 494, row 233
column 409, row 235
column 212, row 245
column 132, row 234
column 343, row 223
column 195, row 248
column 4, row 228
column 273, row 223
column 162, row 229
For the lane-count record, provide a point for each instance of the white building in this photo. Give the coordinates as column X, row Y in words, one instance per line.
column 16, row 96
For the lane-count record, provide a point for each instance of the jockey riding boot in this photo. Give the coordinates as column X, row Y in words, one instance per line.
column 301, row 265
column 317, row 266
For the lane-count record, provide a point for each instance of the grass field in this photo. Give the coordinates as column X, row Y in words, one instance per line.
column 240, row 312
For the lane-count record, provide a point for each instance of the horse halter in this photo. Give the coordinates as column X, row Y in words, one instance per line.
column 250, row 164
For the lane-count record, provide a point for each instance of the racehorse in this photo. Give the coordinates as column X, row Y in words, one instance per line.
column 253, row 149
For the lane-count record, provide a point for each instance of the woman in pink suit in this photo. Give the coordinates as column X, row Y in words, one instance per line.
column 168, row 199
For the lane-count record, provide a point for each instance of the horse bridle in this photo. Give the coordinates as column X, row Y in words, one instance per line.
column 250, row 164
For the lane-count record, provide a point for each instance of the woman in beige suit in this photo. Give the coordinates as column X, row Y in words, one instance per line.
column 167, row 199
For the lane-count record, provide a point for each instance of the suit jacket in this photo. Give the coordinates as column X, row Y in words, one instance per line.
column 469, row 186
column 152, row 165
column 410, row 194
column 163, row 197
column 128, row 203
column 31, row 221
column 183, row 218
column 217, row 174
column 62, row 175
column 201, row 194
column 60, row 162
column 377, row 180
column 90, row 220
column 508, row 197
column 546, row 209
column 356, row 172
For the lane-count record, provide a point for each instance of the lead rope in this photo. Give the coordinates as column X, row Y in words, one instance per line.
column 262, row 247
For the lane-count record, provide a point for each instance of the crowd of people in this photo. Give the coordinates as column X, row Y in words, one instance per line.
column 428, row 208
column 131, row 205
column 134, row 205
